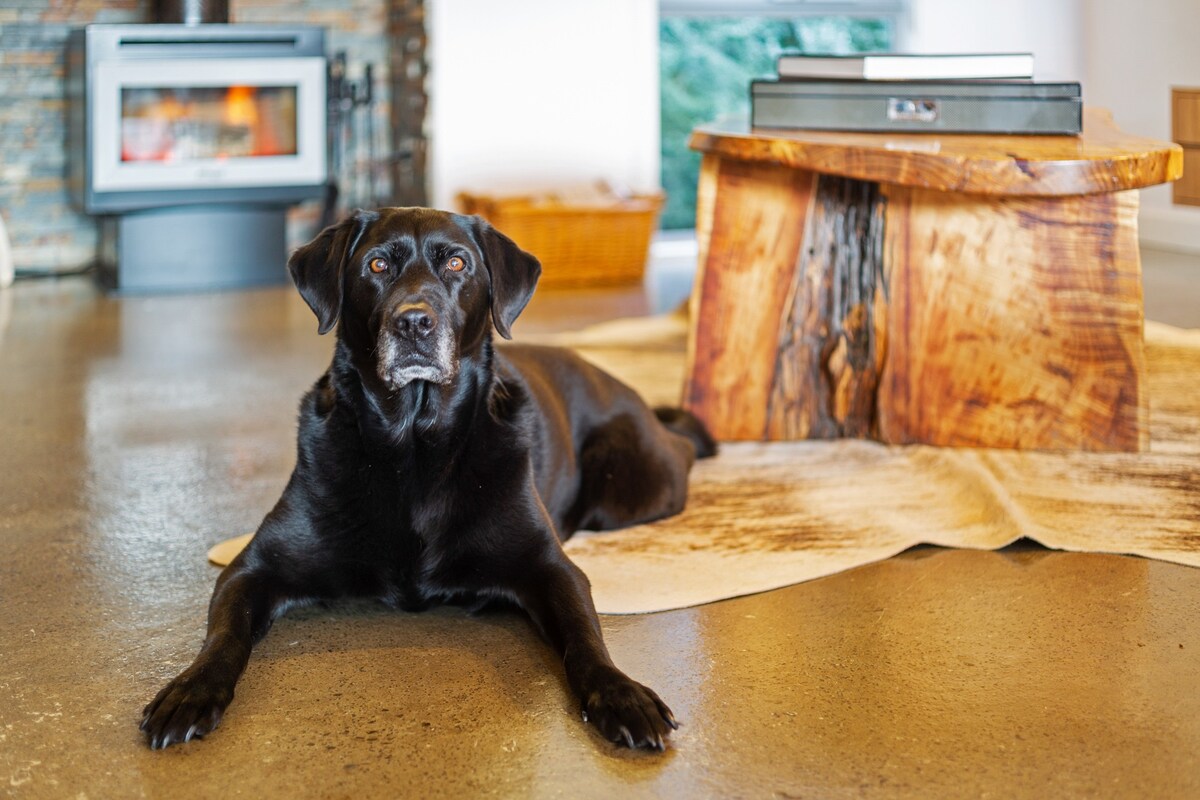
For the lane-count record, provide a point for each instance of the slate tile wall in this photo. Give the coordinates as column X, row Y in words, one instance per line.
column 46, row 232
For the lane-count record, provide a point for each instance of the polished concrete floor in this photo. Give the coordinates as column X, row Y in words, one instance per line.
column 136, row 432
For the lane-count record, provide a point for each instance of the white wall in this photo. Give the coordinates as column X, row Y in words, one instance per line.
column 541, row 93
column 546, row 93
column 1126, row 54
column 1135, row 53
column 1050, row 29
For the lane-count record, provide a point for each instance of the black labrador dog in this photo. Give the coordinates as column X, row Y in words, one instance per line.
column 432, row 468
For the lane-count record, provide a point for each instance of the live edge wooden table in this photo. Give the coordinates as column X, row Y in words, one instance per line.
column 944, row 289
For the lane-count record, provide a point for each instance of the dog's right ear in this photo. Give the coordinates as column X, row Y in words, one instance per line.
column 317, row 267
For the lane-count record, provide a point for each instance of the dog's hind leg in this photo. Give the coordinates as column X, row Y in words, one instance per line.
column 245, row 602
column 686, row 424
column 632, row 470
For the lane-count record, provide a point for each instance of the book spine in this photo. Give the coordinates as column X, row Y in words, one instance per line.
column 1008, row 66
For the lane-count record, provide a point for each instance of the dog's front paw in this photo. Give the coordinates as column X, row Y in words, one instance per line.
column 187, row 708
column 628, row 713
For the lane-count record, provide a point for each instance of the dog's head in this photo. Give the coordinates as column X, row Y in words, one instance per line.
column 415, row 289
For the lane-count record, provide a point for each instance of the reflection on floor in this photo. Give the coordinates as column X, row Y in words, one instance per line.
column 136, row 432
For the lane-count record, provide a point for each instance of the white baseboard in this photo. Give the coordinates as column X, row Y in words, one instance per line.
column 674, row 244
column 1173, row 229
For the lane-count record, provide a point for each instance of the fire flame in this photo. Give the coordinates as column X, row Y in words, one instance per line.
column 239, row 122
column 240, row 108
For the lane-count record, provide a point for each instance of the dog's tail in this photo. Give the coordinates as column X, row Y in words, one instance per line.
column 685, row 424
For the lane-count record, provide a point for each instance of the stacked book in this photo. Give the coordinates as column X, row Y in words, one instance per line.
column 977, row 93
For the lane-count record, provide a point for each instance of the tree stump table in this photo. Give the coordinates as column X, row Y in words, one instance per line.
column 954, row 290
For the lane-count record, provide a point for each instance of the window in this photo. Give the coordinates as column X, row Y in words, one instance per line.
column 710, row 51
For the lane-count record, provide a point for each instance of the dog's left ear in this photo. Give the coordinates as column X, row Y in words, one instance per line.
column 513, row 272
column 317, row 267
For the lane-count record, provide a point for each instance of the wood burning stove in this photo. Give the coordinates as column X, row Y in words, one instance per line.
column 189, row 141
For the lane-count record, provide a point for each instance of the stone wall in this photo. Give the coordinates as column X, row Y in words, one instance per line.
column 46, row 232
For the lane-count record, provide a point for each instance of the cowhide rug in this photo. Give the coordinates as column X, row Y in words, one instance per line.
column 762, row 516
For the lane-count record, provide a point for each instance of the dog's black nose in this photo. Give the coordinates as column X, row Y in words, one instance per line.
column 414, row 319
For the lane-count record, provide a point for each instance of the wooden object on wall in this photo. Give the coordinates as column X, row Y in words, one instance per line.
column 990, row 297
column 1185, row 130
column 407, row 70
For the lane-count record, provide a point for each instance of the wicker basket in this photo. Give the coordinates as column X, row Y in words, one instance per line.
column 578, row 245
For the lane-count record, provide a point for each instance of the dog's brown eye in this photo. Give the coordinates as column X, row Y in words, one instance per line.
column 455, row 264
column 378, row 265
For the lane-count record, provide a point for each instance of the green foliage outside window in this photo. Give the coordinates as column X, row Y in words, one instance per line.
column 706, row 66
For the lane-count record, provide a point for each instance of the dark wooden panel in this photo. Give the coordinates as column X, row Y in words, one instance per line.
column 829, row 351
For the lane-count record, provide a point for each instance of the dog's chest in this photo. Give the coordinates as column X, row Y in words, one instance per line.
column 402, row 519
column 417, row 520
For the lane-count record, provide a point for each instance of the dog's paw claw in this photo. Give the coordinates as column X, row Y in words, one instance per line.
column 627, row 737
column 668, row 716
column 184, row 710
column 627, row 713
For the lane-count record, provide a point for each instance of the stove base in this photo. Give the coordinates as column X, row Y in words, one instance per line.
column 194, row 248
